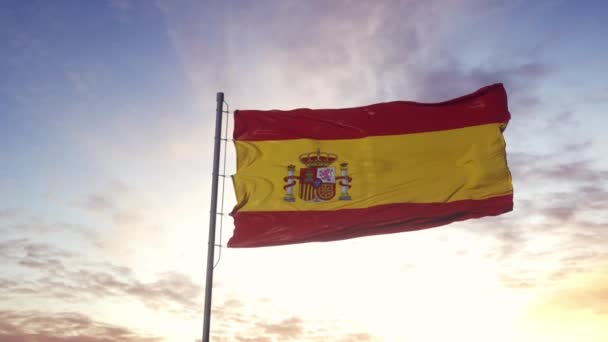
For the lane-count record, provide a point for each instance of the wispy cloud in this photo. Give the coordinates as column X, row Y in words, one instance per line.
column 290, row 328
column 116, row 204
column 579, row 171
column 589, row 293
column 356, row 53
column 8, row 214
column 557, row 229
column 95, row 202
column 55, row 273
column 235, row 321
column 453, row 79
column 23, row 225
column 373, row 38
column 35, row 326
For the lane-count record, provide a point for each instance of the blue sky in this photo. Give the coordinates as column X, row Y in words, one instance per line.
column 106, row 125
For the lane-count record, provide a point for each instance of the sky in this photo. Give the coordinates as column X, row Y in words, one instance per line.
column 106, row 137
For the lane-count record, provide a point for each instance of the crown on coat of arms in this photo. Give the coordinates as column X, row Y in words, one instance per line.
column 317, row 159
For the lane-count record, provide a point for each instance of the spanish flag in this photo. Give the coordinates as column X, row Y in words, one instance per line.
column 330, row 174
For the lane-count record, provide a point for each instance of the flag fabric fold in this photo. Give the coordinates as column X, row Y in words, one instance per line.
column 308, row 175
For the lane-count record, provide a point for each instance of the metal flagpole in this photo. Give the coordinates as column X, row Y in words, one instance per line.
column 213, row 214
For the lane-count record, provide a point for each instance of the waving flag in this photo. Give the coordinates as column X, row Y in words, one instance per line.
column 320, row 175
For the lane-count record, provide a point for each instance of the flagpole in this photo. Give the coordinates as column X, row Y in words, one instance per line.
column 213, row 214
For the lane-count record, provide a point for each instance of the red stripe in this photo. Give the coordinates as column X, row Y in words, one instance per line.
column 257, row 229
column 486, row 105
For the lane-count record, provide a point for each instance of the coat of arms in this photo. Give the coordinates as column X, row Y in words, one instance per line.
column 317, row 181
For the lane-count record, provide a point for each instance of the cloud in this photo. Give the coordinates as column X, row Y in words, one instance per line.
column 253, row 339
column 55, row 273
column 116, row 204
column 355, row 52
column 454, row 79
column 23, row 249
column 358, row 337
column 562, row 235
column 583, row 295
column 578, row 171
column 518, row 281
column 35, row 226
column 35, row 326
column 567, row 164
column 96, row 203
column 234, row 320
column 599, row 97
column 8, row 214
column 564, row 120
column 290, row 328
column 577, row 147
column 558, row 227
column 113, row 202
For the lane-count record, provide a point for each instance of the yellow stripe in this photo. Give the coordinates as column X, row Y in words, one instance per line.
column 441, row 166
